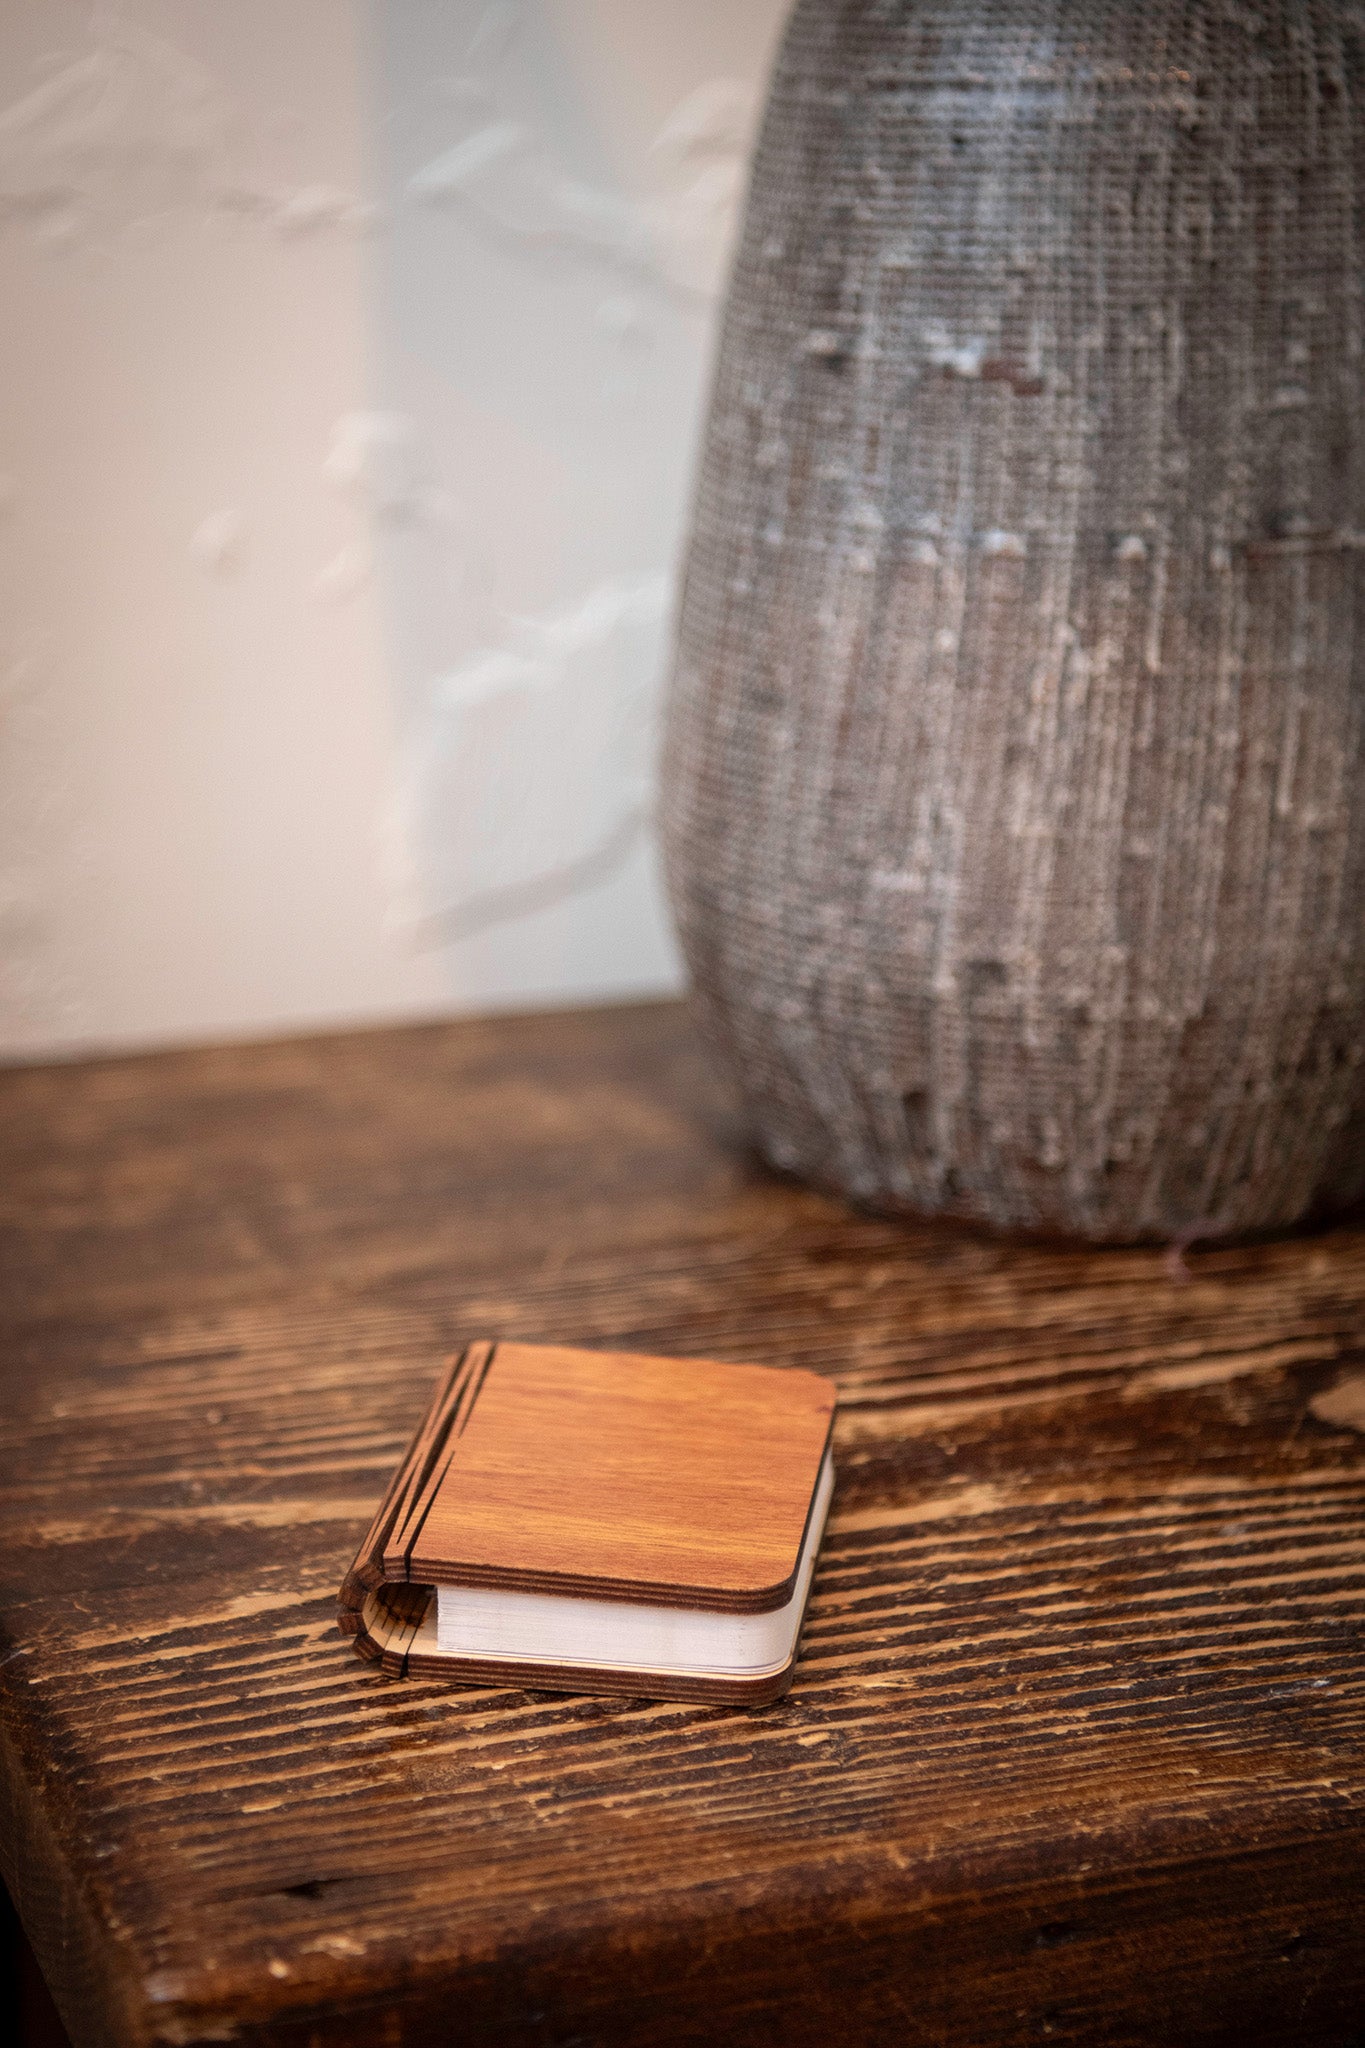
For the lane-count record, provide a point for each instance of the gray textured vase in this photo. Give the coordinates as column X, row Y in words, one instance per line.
column 1013, row 789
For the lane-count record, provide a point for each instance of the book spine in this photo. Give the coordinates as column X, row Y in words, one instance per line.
column 381, row 1623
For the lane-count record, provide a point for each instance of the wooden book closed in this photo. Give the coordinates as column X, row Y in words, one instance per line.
column 600, row 1522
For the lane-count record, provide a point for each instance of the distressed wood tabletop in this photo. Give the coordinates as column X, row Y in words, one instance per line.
column 1074, row 1751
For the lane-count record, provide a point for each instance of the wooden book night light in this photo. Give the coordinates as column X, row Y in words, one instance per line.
column 592, row 1521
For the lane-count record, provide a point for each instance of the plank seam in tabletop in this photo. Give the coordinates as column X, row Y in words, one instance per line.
column 1076, row 1729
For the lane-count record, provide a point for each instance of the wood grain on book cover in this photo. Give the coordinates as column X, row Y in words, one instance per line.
column 677, row 1481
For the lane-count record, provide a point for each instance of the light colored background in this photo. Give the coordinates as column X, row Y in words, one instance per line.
column 352, row 361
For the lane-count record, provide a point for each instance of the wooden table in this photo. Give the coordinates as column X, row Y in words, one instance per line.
column 1075, row 1749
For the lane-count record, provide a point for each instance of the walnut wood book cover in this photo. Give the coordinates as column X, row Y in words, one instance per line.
column 665, row 1483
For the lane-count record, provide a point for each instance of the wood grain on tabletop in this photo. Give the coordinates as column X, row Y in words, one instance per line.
column 1074, row 1749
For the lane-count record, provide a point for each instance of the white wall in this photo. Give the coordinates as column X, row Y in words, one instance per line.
column 352, row 363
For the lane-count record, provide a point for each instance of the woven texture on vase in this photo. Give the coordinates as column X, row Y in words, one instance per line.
column 1014, row 793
